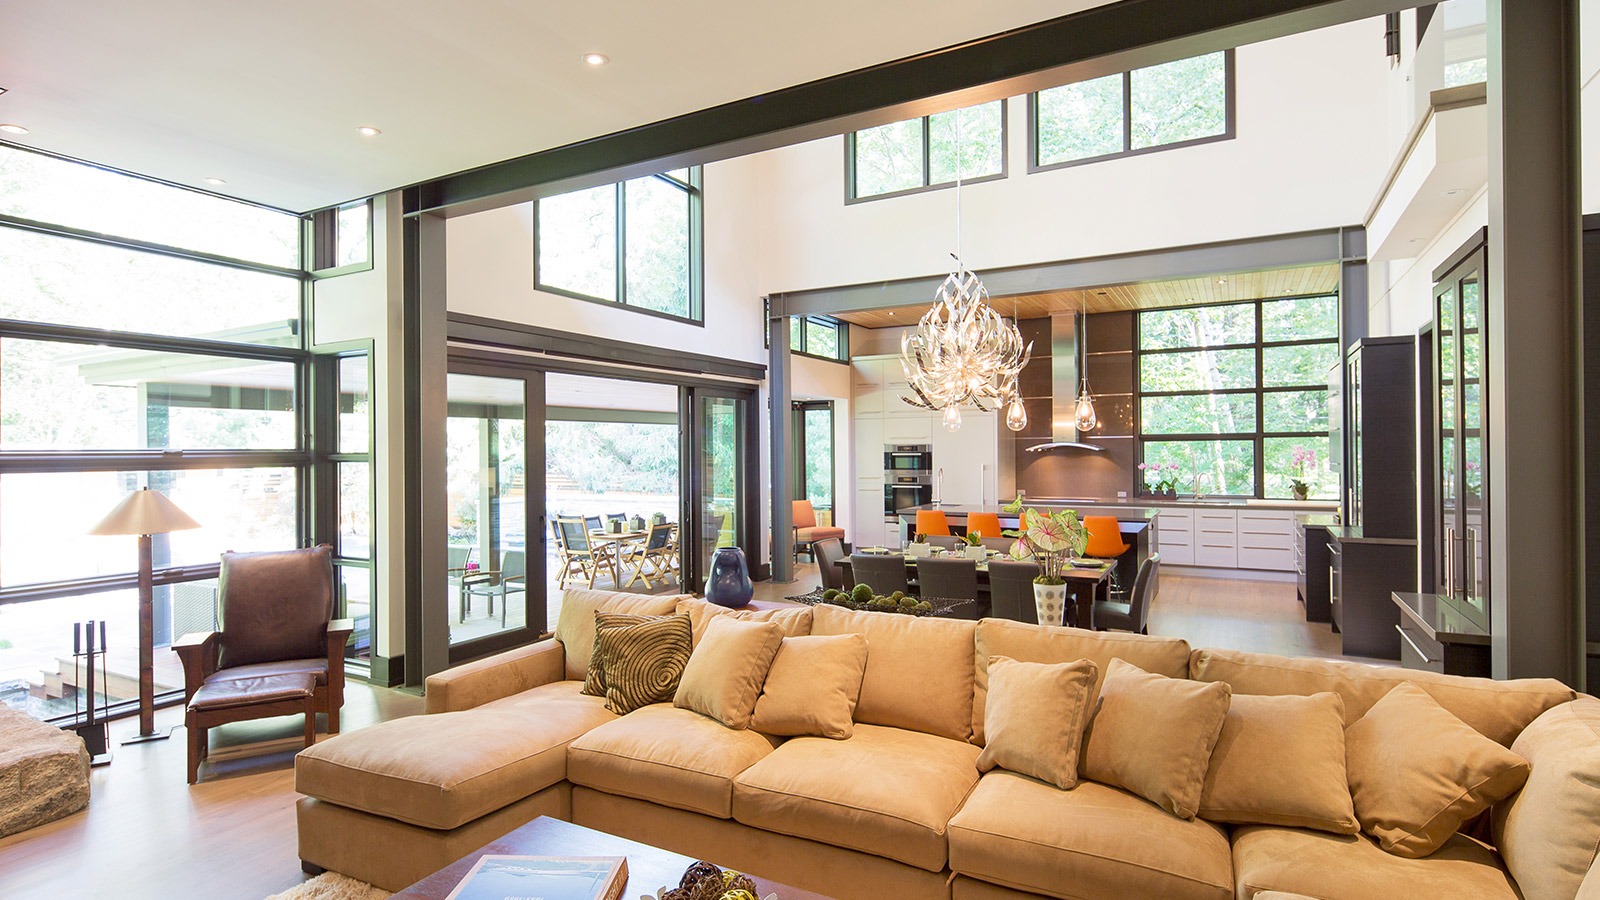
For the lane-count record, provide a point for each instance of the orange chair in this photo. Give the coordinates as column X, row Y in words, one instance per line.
column 932, row 522
column 986, row 524
column 1105, row 537
column 806, row 529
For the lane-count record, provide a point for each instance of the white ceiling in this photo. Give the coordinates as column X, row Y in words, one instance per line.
column 268, row 95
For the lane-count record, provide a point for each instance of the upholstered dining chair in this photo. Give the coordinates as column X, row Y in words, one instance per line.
column 951, row 578
column 806, row 530
column 1105, row 537
column 985, row 524
column 277, row 648
column 947, row 541
column 1133, row 615
column 1011, row 591
column 828, row 552
column 884, row 574
column 932, row 522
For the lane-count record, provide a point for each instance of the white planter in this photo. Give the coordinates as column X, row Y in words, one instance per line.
column 918, row 551
column 979, row 553
column 1050, row 602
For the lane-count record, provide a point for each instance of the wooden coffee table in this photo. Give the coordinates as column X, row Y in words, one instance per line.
column 648, row 867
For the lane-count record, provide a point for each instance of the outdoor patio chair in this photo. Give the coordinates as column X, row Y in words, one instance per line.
column 656, row 556
column 578, row 556
column 512, row 578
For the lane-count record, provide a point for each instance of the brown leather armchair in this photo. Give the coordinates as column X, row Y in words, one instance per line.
column 278, row 651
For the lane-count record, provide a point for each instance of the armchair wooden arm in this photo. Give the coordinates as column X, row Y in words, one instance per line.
column 198, row 653
column 338, row 635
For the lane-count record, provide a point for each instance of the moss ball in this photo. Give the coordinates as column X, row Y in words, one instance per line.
column 861, row 593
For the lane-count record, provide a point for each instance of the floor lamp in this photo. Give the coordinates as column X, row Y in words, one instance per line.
column 144, row 513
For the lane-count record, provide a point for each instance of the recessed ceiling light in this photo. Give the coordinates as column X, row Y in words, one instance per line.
column 215, row 181
column 367, row 131
column 1414, row 241
column 1222, row 281
column 1454, row 191
column 596, row 59
column 13, row 129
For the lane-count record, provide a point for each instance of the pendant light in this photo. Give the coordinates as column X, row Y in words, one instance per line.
column 1083, row 412
column 1016, row 413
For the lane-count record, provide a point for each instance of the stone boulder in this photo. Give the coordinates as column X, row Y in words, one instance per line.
column 44, row 772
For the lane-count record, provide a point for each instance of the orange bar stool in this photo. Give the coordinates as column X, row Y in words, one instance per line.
column 986, row 524
column 932, row 522
column 1105, row 537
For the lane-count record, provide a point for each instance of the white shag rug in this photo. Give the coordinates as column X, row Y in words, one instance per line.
column 332, row 886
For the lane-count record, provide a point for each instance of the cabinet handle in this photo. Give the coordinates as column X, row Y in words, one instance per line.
column 1332, row 594
column 1450, row 561
column 1470, row 551
column 1418, row 650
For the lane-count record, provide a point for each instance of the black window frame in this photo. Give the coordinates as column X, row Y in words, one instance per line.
column 842, row 329
column 1229, row 132
column 1260, row 435
column 322, row 241
column 851, row 197
column 694, row 188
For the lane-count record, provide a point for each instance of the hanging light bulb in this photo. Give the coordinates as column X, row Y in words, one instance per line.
column 1084, row 411
column 952, row 418
column 1016, row 414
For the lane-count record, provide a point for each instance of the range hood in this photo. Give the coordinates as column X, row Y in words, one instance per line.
column 1066, row 361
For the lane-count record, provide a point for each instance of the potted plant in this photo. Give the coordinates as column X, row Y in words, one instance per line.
column 1303, row 462
column 1052, row 539
column 1160, row 479
column 919, row 546
column 974, row 548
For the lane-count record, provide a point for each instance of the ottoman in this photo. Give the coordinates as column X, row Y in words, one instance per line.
column 44, row 772
column 220, row 701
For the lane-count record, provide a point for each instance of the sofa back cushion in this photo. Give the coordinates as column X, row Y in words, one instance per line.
column 1548, row 832
column 575, row 626
column 919, row 670
column 793, row 621
column 1050, row 644
column 1498, row 710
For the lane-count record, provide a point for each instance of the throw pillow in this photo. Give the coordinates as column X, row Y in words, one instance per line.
column 644, row 662
column 1281, row 761
column 1153, row 736
column 594, row 680
column 726, row 671
column 1034, row 717
column 1417, row 772
column 812, row 687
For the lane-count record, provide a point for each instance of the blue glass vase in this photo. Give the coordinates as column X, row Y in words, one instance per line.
column 728, row 582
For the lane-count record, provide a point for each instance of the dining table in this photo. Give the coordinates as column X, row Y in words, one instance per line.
column 612, row 543
column 1089, row 578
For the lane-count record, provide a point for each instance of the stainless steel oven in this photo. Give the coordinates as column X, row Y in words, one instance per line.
column 905, row 491
column 907, row 459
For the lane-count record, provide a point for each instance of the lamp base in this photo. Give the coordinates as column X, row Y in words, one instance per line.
column 158, row 735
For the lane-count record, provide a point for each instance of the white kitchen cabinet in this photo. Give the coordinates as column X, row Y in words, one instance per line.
column 1175, row 537
column 913, row 428
column 1216, row 538
column 1266, row 539
column 869, row 449
column 969, row 458
column 868, row 529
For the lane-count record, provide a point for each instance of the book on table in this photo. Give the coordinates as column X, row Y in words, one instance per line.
column 544, row 878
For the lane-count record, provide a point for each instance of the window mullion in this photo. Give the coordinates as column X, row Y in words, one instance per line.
column 927, row 151
column 1127, row 112
column 622, row 242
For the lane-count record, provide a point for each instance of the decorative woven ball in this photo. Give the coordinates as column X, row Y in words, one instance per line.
column 736, row 883
column 706, row 889
column 739, row 895
column 697, row 872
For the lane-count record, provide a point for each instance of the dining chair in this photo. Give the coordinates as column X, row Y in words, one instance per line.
column 947, row 541
column 985, row 524
column 828, row 552
column 806, row 530
column 578, row 556
column 950, row 578
column 1003, row 544
column 593, row 523
column 884, row 574
column 932, row 522
column 1133, row 615
column 1105, row 537
column 653, row 554
column 511, row 578
column 1011, row 591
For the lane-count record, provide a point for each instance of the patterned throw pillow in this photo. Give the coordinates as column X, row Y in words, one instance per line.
column 644, row 662
column 594, row 680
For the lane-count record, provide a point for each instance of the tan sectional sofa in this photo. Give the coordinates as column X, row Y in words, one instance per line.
column 900, row 809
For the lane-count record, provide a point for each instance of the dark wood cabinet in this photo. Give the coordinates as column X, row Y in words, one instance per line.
column 1437, row 636
column 1380, row 425
column 1311, row 565
column 1363, row 573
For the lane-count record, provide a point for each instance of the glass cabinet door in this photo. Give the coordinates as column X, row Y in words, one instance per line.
column 1446, row 563
column 1474, row 520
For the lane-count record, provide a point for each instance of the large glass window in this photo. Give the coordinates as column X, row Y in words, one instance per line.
column 1236, row 395
column 932, row 151
column 636, row 243
column 820, row 336
column 1183, row 102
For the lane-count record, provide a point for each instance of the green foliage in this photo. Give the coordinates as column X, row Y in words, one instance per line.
column 965, row 142
column 1179, row 101
column 861, row 593
column 974, row 538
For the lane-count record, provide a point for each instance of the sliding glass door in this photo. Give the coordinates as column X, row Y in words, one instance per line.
column 722, row 482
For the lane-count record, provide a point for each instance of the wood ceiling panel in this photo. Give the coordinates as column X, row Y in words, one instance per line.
column 1221, row 288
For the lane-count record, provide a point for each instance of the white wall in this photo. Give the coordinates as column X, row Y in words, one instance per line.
column 366, row 306
column 1400, row 298
column 815, row 379
column 1309, row 155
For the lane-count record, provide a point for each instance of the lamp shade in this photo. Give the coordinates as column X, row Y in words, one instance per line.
column 145, row 512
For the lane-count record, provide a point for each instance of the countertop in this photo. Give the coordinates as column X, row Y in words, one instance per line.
column 1441, row 617
column 1322, row 520
column 1354, row 534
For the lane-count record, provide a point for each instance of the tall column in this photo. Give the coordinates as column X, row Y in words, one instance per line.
column 423, row 343
column 1534, row 321
column 780, row 397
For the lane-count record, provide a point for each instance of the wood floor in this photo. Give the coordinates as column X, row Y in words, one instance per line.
column 146, row 834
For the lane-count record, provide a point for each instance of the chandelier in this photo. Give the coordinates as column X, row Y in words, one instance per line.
column 963, row 352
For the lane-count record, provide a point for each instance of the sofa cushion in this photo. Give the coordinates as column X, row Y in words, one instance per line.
column 885, row 791
column 662, row 754
column 725, row 673
column 575, row 625
column 644, row 661
column 795, row 620
column 919, row 670
column 1052, row 644
column 1090, row 842
column 594, row 680
column 1352, row 867
column 1549, row 831
column 1281, row 761
column 1417, row 772
column 1496, row 709
column 813, row 686
column 442, row 771
column 1035, row 717
column 1153, row 735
